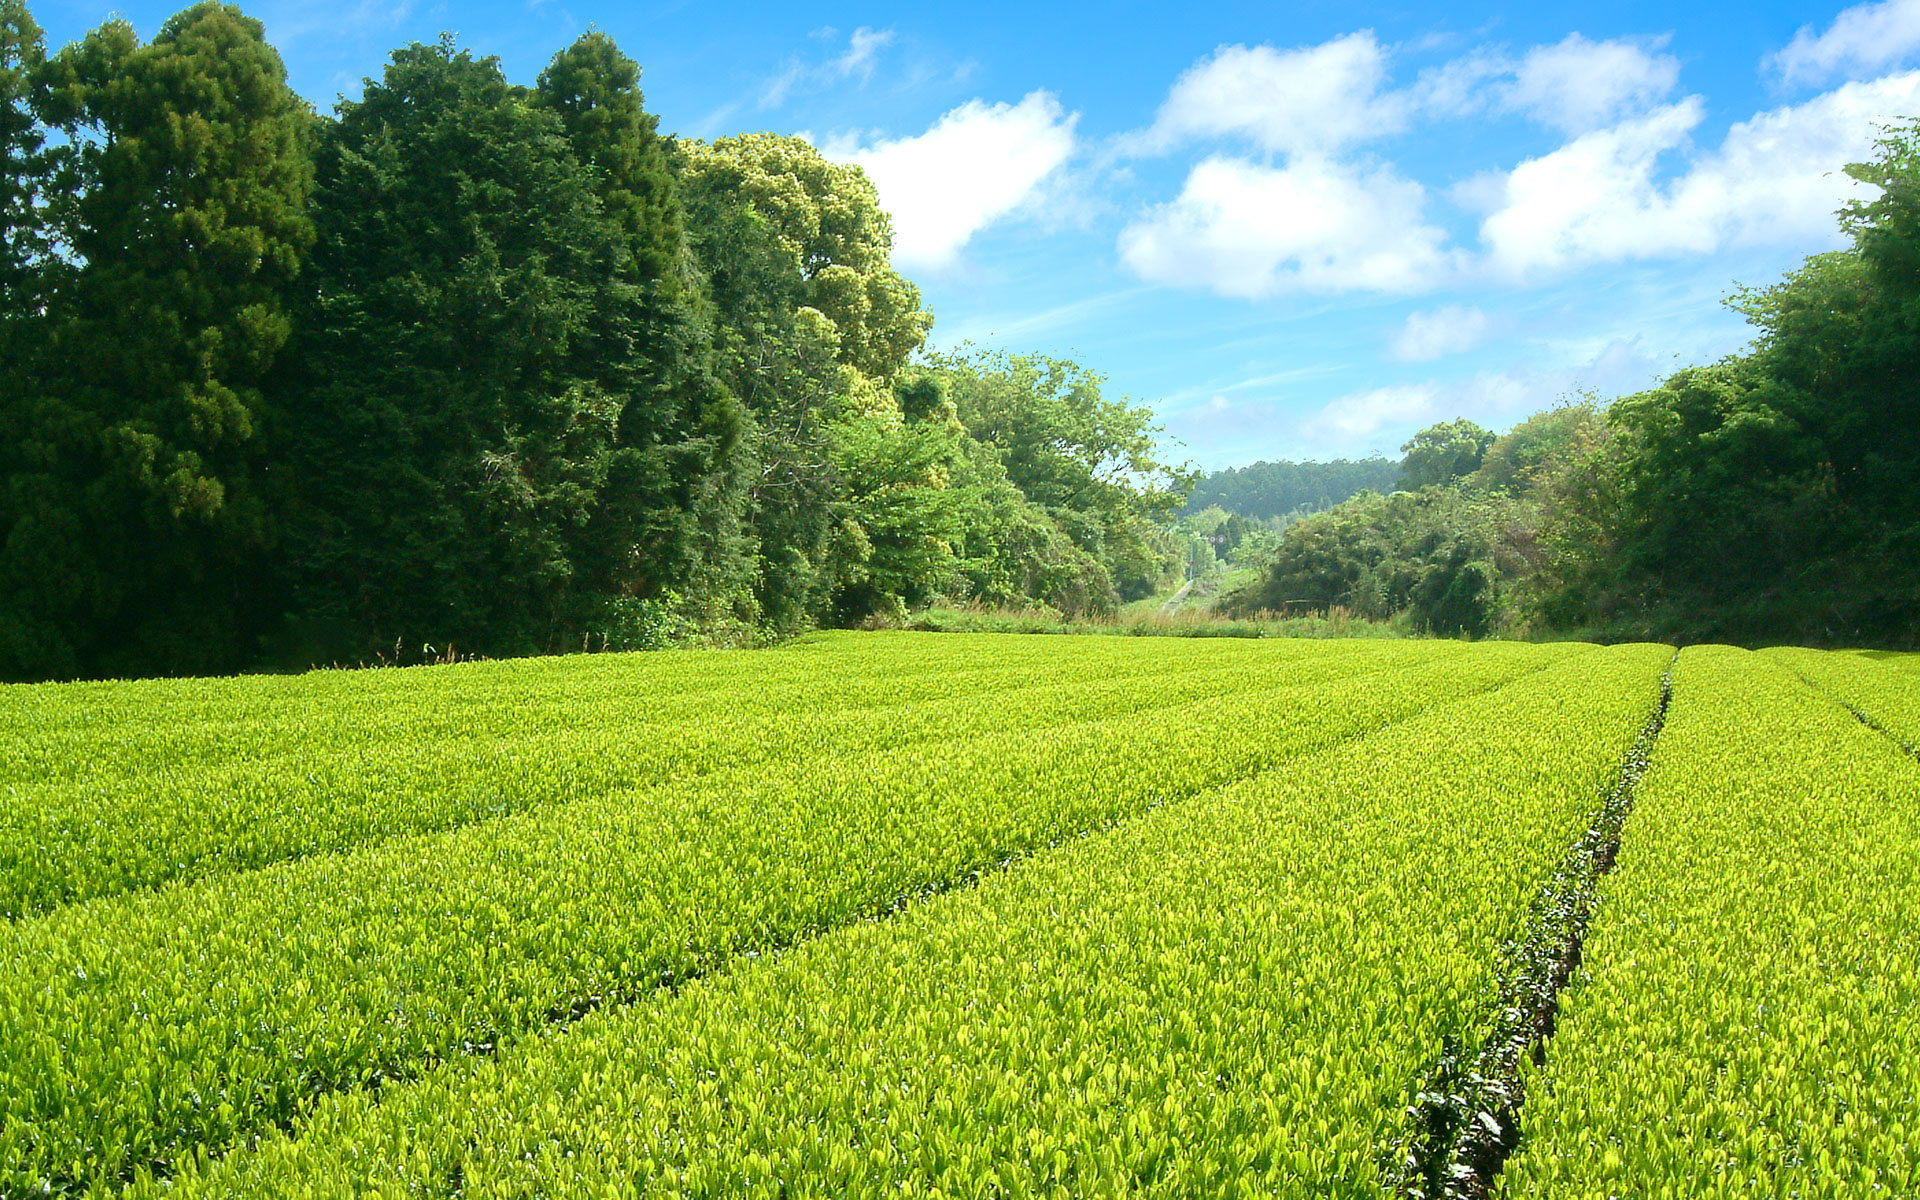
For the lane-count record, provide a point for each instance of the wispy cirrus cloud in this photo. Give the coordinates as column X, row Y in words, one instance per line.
column 1385, row 416
column 1429, row 335
column 856, row 61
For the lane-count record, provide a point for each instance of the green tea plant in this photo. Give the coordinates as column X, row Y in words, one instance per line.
column 146, row 1028
column 1748, row 1024
column 1232, row 996
column 1881, row 694
column 439, row 764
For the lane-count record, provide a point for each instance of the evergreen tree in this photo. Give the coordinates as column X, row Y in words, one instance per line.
column 675, row 493
column 24, row 166
column 498, row 429
column 138, row 525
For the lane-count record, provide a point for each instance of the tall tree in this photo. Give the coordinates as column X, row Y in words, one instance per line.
column 1091, row 463
column 24, row 165
column 815, row 325
column 488, row 439
column 674, row 497
column 184, row 212
column 1443, row 453
column 594, row 89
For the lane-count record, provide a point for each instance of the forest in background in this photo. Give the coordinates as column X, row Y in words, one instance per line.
column 1279, row 491
column 475, row 367
column 472, row 367
column 1771, row 497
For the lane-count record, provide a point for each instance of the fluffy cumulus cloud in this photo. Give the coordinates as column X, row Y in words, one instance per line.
column 1864, row 38
column 1248, row 230
column 1323, row 223
column 1298, row 207
column 1307, row 100
column 1578, row 85
column 977, row 164
column 1430, row 335
column 1603, row 197
column 1591, row 200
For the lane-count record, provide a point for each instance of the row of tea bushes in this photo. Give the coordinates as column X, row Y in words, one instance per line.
column 331, row 784
column 1748, row 1024
column 1229, row 997
column 143, row 1028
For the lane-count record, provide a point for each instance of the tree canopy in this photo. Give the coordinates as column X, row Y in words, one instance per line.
column 1771, row 496
column 499, row 367
column 502, row 366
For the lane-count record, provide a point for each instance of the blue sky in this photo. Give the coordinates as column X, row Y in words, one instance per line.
column 1293, row 230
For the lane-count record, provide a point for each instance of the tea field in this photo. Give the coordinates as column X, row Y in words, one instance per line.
column 889, row 914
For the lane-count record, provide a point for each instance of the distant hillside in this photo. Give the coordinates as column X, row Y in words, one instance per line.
column 1274, row 489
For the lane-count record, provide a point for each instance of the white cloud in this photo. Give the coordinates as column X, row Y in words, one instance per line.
column 863, row 48
column 1430, row 335
column 862, row 52
column 977, row 164
column 1578, row 85
column 1387, row 416
column 1459, row 86
column 1866, row 37
column 1362, row 415
column 1309, row 100
column 1778, row 178
column 1251, row 231
column 1774, row 179
column 1591, row 200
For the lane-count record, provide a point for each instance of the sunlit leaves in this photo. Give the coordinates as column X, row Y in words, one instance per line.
column 1227, row 996
column 1749, row 1023
column 195, row 1014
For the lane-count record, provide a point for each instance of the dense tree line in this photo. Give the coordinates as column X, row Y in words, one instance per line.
column 494, row 366
column 1772, row 496
column 1273, row 490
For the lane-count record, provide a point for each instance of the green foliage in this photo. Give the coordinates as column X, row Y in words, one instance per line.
column 1523, row 459
column 1273, row 490
column 410, row 949
column 1772, row 495
column 1090, row 464
column 1443, row 453
column 674, row 497
column 818, row 231
column 25, row 163
column 1746, row 1022
column 1232, row 991
column 273, row 782
column 815, row 327
column 1230, row 537
column 1769, row 496
column 1189, row 622
column 489, row 368
column 1440, row 555
column 594, row 88
column 135, row 507
column 502, row 422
